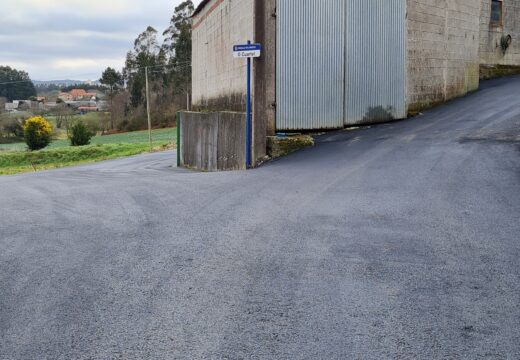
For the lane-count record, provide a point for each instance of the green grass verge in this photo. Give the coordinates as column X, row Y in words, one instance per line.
column 160, row 137
column 17, row 159
column 19, row 162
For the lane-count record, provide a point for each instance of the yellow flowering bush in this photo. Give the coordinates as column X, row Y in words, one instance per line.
column 37, row 133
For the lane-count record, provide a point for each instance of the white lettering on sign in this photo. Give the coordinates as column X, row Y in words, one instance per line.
column 247, row 54
column 247, row 51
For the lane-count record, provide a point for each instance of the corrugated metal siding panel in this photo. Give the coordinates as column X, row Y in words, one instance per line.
column 375, row 61
column 310, row 64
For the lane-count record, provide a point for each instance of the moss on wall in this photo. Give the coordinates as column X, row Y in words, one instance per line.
column 283, row 146
column 494, row 71
column 231, row 102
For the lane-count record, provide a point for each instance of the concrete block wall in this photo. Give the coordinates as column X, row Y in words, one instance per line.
column 264, row 105
column 212, row 141
column 219, row 80
column 490, row 34
column 443, row 50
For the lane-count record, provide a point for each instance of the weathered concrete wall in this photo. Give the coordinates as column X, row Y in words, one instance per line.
column 219, row 80
column 491, row 52
column 213, row 141
column 443, row 50
column 264, row 106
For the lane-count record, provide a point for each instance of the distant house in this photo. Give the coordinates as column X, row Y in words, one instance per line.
column 50, row 105
column 38, row 104
column 9, row 107
column 82, row 105
column 80, row 94
column 85, row 109
column 76, row 95
column 65, row 97
column 24, row 105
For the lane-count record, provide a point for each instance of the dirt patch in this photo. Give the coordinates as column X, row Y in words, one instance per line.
column 379, row 114
column 492, row 138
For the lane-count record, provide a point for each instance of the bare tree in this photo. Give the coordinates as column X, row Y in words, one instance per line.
column 64, row 115
column 113, row 79
column 3, row 101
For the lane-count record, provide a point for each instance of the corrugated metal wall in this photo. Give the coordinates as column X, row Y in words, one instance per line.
column 375, row 82
column 310, row 64
column 340, row 62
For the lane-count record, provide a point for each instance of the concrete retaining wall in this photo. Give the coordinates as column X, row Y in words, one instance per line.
column 213, row 141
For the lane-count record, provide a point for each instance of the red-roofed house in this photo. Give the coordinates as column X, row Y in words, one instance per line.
column 76, row 94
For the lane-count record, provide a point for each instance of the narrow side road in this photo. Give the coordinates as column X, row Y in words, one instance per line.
column 399, row 241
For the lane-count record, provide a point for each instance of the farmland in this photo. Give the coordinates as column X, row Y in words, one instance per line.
column 14, row 157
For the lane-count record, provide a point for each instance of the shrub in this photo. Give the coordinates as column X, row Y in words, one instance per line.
column 13, row 127
column 37, row 132
column 10, row 127
column 93, row 121
column 80, row 134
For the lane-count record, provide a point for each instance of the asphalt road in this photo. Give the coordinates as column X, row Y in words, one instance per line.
column 400, row 241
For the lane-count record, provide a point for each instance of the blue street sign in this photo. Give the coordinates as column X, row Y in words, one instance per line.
column 247, row 51
column 247, row 47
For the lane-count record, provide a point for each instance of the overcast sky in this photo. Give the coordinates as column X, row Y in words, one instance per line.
column 75, row 39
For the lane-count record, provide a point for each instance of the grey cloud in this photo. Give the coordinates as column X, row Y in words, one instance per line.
column 38, row 41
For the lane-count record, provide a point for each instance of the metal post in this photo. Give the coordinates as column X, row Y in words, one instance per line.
column 178, row 124
column 187, row 95
column 248, row 113
column 148, row 110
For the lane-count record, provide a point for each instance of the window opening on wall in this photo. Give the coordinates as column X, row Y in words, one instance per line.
column 497, row 12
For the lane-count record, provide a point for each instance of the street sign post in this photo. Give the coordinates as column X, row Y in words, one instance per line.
column 248, row 51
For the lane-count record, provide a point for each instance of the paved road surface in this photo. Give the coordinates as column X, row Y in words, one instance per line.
column 400, row 241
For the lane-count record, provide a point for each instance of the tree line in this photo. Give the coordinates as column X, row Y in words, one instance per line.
column 169, row 72
column 15, row 84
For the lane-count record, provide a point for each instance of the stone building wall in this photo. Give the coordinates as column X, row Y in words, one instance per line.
column 494, row 60
column 219, row 80
column 443, row 50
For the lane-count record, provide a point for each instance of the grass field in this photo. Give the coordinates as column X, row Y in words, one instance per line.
column 160, row 137
column 14, row 158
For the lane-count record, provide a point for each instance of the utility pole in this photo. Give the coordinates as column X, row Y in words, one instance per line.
column 148, row 110
column 187, row 95
column 111, row 107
